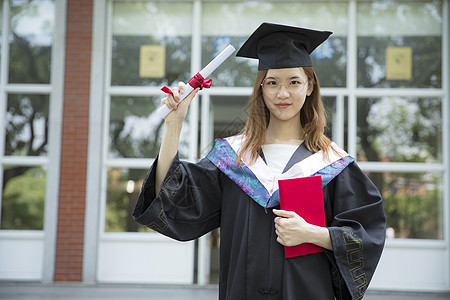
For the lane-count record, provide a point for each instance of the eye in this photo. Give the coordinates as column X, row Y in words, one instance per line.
column 295, row 83
column 271, row 82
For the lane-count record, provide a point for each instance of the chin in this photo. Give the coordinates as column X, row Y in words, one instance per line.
column 285, row 116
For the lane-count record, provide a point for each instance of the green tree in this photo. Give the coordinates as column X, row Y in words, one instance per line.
column 23, row 201
column 26, row 122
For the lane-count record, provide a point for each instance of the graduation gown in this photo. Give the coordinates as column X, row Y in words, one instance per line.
column 196, row 198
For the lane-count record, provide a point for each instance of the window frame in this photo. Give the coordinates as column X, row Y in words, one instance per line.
column 346, row 102
column 51, row 161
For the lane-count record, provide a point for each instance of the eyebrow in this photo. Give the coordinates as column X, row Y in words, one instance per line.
column 275, row 77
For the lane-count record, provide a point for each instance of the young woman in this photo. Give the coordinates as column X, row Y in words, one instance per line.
column 236, row 186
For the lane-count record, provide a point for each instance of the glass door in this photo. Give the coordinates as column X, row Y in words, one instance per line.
column 147, row 46
column 30, row 104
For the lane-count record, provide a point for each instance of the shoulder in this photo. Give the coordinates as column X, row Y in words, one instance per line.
column 354, row 178
column 227, row 145
column 335, row 149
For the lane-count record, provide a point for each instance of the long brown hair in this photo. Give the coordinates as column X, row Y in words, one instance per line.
column 312, row 119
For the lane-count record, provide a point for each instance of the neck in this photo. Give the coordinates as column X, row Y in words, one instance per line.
column 284, row 132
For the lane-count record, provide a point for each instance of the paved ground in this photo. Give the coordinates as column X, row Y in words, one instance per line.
column 27, row 291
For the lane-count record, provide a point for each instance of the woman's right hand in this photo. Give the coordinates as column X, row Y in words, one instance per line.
column 179, row 112
column 174, row 123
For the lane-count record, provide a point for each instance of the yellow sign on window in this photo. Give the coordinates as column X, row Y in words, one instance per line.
column 152, row 61
column 398, row 63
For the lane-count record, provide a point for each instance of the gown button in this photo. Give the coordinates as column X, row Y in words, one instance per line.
column 266, row 291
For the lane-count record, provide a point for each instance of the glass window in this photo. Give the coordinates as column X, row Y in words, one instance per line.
column 228, row 115
column 135, row 128
column 399, row 44
column 23, row 198
column 400, row 129
column 232, row 23
column 412, row 203
column 122, row 193
column 151, row 43
column 31, row 37
column 27, row 125
column 330, row 112
column 333, row 130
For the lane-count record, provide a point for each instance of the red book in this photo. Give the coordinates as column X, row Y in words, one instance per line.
column 305, row 197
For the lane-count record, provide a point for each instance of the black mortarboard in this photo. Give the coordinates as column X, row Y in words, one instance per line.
column 281, row 46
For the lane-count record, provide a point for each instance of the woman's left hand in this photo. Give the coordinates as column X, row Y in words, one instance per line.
column 292, row 230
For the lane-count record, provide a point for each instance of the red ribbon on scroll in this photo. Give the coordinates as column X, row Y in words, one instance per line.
column 196, row 82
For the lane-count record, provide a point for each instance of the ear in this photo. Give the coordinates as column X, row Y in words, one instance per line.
column 310, row 88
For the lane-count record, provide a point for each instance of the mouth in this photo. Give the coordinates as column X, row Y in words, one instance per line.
column 282, row 105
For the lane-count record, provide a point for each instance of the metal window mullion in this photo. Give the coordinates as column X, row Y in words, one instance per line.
column 56, row 91
column 102, row 207
column 135, row 163
column 94, row 174
column 17, row 88
column 446, row 131
column 352, row 76
column 142, row 91
column 339, row 122
column 327, row 91
column 4, row 64
column 229, row 91
column 106, row 117
column 400, row 92
column 5, row 45
column 375, row 166
column 25, row 160
column 403, row 243
column 196, row 61
column 205, row 137
column 204, row 250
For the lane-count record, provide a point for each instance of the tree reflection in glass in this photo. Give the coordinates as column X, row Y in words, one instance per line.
column 122, row 192
column 23, row 198
column 414, row 25
column 135, row 128
column 412, row 203
column 149, row 23
column 27, row 125
column 31, row 38
column 399, row 129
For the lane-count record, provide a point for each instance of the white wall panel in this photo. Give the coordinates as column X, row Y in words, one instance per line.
column 145, row 258
column 21, row 255
column 412, row 267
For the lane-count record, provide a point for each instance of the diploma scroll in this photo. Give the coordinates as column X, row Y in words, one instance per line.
column 164, row 110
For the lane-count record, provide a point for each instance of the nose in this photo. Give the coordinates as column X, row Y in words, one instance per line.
column 283, row 92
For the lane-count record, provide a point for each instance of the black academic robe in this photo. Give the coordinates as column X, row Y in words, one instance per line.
column 196, row 198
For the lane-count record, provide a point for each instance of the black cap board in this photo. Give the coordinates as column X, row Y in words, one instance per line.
column 280, row 46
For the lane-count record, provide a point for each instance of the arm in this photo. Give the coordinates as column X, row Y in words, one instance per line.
column 293, row 230
column 357, row 226
column 188, row 204
column 171, row 137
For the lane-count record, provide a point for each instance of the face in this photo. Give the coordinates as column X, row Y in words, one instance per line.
column 284, row 92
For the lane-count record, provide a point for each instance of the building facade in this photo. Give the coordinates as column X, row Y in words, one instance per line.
column 79, row 87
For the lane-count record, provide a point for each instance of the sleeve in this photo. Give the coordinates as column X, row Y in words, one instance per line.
column 357, row 231
column 188, row 203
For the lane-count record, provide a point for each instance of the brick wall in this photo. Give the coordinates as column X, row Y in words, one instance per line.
column 72, row 186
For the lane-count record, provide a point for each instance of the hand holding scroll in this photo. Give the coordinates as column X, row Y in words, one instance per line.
column 173, row 102
column 198, row 81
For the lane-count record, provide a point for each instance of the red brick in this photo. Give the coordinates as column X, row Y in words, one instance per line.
column 71, row 210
